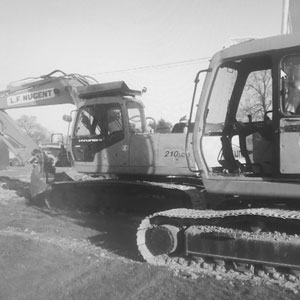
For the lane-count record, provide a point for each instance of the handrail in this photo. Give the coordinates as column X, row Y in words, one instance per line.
column 190, row 116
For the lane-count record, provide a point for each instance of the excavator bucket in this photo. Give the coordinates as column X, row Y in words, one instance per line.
column 38, row 181
column 43, row 173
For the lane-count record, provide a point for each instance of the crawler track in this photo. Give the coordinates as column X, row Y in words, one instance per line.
column 128, row 195
column 225, row 243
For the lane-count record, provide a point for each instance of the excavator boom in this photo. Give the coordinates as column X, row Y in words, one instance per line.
column 54, row 88
column 44, row 90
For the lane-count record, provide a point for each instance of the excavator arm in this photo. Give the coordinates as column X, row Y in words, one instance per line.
column 43, row 90
column 54, row 88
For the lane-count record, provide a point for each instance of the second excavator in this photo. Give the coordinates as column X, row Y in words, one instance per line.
column 110, row 138
column 252, row 216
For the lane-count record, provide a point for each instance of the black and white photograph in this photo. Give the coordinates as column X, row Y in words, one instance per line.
column 149, row 149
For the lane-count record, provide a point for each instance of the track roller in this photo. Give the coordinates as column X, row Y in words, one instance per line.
column 162, row 239
column 156, row 241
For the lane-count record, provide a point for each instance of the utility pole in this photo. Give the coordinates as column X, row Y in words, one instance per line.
column 285, row 21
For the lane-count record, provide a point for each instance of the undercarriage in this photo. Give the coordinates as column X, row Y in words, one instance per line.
column 258, row 242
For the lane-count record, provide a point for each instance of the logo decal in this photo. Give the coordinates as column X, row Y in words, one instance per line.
column 30, row 97
column 124, row 148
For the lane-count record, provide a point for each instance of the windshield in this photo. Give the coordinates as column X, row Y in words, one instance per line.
column 219, row 99
column 290, row 74
column 99, row 120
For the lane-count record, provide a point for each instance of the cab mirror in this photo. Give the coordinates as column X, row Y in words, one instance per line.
column 67, row 118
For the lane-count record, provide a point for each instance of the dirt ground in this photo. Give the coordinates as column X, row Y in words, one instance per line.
column 70, row 254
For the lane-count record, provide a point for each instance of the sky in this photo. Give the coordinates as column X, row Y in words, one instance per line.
column 158, row 44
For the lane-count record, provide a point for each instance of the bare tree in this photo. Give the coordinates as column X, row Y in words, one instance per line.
column 32, row 128
column 256, row 99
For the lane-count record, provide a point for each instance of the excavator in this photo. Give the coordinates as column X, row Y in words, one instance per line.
column 250, row 221
column 110, row 141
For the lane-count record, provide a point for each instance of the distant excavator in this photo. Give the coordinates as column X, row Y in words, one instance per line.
column 109, row 137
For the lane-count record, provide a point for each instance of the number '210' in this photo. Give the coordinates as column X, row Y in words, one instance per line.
column 174, row 154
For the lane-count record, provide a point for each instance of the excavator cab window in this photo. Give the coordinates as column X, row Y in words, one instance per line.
column 216, row 115
column 290, row 79
column 136, row 117
column 289, row 121
column 135, row 121
column 254, row 124
column 87, row 124
column 256, row 97
column 97, row 127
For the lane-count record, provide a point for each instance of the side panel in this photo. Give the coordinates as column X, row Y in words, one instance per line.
column 161, row 154
column 252, row 186
column 113, row 159
column 290, row 146
column 143, row 152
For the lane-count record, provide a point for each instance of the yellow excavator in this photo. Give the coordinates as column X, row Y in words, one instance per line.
column 250, row 100
column 109, row 138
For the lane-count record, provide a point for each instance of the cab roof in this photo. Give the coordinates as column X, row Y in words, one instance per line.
column 117, row 88
column 259, row 45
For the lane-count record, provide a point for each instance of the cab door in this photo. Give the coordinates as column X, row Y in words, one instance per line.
column 142, row 143
column 100, row 141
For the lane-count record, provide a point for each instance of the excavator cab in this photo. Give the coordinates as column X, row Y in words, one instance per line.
column 248, row 121
column 107, row 117
column 111, row 136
